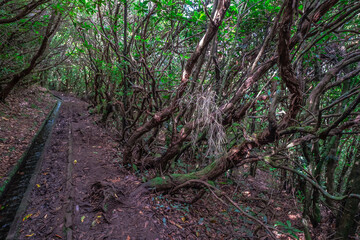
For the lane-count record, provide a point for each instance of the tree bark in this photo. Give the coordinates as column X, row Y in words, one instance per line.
column 347, row 222
column 163, row 115
column 27, row 9
column 50, row 30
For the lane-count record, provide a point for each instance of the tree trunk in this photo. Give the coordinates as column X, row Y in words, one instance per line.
column 165, row 114
column 253, row 167
column 50, row 30
column 315, row 214
column 347, row 223
column 332, row 162
column 348, row 160
column 235, row 157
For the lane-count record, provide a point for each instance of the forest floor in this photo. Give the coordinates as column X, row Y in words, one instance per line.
column 20, row 119
column 82, row 192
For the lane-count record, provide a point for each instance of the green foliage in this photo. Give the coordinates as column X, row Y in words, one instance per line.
column 286, row 227
column 134, row 64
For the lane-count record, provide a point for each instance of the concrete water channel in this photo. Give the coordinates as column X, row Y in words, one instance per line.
column 14, row 191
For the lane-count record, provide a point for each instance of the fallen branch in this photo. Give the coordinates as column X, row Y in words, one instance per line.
column 218, row 194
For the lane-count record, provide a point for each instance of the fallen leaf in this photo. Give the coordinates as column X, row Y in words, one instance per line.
column 178, row 225
column 75, row 161
column 174, row 223
column 58, row 236
column 128, row 237
column 36, row 214
column 30, row 235
column 82, row 218
column 38, row 185
column 27, row 216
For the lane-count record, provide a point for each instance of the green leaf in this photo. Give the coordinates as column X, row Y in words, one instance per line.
column 135, row 168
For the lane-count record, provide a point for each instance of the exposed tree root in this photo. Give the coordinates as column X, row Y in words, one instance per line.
column 105, row 196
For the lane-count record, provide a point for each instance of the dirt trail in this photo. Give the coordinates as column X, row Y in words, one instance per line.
column 80, row 193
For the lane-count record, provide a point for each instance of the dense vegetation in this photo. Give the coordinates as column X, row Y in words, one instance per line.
column 210, row 85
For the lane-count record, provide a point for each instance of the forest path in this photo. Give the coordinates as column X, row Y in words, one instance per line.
column 80, row 192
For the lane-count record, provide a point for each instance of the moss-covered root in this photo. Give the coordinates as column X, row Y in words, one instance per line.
column 167, row 182
column 234, row 157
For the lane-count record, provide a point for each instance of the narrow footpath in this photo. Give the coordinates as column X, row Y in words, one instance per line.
column 80, row 191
